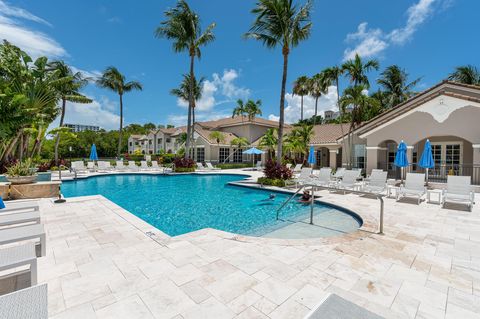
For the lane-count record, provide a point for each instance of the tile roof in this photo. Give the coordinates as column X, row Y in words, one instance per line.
column 238, row 120
column 328, row 133
column 206, row 135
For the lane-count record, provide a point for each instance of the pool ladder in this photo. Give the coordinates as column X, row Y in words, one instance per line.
column 288, row 200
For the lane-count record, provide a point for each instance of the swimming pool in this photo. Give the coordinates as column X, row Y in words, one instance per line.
column 178, row 204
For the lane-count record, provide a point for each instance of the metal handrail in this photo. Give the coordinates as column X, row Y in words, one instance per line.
column 288, row 200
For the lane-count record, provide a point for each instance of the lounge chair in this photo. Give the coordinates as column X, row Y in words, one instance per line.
column 339, row 173
column 19, row 256
column 120, row 166
column 459, row 190
column 211, row 167
column 304, row 177
column 323, row 178
column 78, row 167
column 155, row 166
column 414, row 186
column 200, row 167
column 18, row 218
column 132, row 166
column 297, row 168
column 350, row 180
column 28, row 303
column 104, row 167
column 19, row 207
column 377, row 182
column 335, row 307
column 91, row 166
column 17, row 234
column 258, row 166
column 144, row 166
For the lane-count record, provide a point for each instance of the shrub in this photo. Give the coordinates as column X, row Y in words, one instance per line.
column 233, row 165
column 271, row 181
column 274, row 170
column 21, row 169
column 167, row 158
column 43, row 167
column 184, row 169
column 184, row 164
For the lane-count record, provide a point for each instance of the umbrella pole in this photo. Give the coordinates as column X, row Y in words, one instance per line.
column 426, row 173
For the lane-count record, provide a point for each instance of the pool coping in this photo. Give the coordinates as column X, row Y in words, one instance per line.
column 367, row 228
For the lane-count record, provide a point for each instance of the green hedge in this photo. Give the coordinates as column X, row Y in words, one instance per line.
column 233, row 165
column 184, row 169
column 271, row 182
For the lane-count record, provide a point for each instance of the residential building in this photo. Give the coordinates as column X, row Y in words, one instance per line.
column 80, row 127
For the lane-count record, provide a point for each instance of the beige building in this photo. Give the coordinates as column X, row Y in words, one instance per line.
column 163, row 139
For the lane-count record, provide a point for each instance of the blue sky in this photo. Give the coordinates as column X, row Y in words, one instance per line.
column 426, row 37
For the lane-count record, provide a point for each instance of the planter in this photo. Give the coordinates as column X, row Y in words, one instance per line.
column 3, row 179
column 15, row 180
column 44, row 176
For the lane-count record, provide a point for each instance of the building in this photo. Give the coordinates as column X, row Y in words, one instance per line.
column 81, row 128
column 156, row 141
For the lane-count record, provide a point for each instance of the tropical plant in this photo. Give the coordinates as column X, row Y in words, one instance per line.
column 269, row 141
column 239, row 142
column 281, row 23
column 68, row 90
column 115, row 81
column 239, row 110
column 299, row 138
column 21, row 168
column 217, row 136
column 396, row 87
column 253, row 108
column 316, row 87
column 276, row 170
column 182, row 26
column 356, row 70
column 300, row 88
column 466, row 74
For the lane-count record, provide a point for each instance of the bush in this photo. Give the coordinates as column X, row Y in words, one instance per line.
column 166, row 158
column 21, row 169
column 184, row 169
column 271, row 181
column 233, row 165
column 184, row 165
column 274, row 170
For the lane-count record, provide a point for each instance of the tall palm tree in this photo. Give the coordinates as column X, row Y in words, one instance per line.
column 316, row 87
column 239, row 110
column 270, row 141
column 397, row 89
column 182, row 26
column 217, row 136
column 281, row 23
column 115, row 81
column 466, row 74
column 68, row 90
column 299, row 138
column 253, row 108
column 300, row 88
column 357, row 69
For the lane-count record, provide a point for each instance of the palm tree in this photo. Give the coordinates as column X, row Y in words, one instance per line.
column 253, row 108
column 357, row 70
column 466, row 74
column 393, row 80
column 300, row 88
column 239, row 142
column 281, row 23
column 299, row 139
column 183, row 27
column 270, row 141
column 316, row 87
column 68, row 90
column 239, row 110
column 217, row 136
column 115, row 81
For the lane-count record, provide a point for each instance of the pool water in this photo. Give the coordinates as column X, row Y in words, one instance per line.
column 179, row 204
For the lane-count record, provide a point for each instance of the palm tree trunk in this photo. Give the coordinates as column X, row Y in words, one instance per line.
column 282, row 105
column 11, row 146
column 193, row 135
column 190, row 104
column 121, row 127
column 20, row 147
column 316, row 109
column 301, row 108
column 344, row 146
column 57, row 139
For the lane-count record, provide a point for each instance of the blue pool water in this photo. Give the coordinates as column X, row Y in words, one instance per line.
column 183, row 203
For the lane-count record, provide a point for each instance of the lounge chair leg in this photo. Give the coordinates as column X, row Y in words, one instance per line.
column 33, row 273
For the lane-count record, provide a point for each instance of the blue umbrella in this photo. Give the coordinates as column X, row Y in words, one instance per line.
column 311, row 156
column 253, row 151
column 93, row 153
column 2, row 205
column 426, row 161
column 401, row 159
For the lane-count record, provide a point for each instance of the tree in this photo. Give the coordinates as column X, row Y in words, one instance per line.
column 394, row 82
column 466, row 74
column 149, row 126
column 253, row 108
column 357, row 69
column 115, row 81
column 270, row 141
column 217, row 136
column 68, row 90
column 239, row 110
column 299, row 138
column 281, row 23
column 316, row 87
column 182, row 26
column 300, row 88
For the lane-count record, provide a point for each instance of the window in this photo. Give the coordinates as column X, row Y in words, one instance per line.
column 359, row 156
column 136, row 143
column 223, row 154
column 200, row 155
column 159, row 141
column 130, row 143
column 150, row 142
column 238, row 155
column 168, row 140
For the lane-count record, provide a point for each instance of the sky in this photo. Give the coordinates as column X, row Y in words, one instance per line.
column 428, row 38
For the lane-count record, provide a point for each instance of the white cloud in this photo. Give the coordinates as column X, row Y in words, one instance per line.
column 181, row 120
column 372, row 42
column 229, row 89
column 33, row 42
column 293, row 108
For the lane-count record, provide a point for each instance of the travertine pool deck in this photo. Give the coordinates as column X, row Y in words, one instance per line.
column 103, row 262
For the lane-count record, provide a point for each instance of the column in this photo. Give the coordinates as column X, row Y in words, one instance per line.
column 333, row 157
column 410, row 159
column 476, row 164
column 372, row 158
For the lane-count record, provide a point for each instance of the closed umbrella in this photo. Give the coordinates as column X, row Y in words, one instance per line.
column 311, row 156
column 93, row 153
column 401, row 159
column 253, row 151
column 426, row 161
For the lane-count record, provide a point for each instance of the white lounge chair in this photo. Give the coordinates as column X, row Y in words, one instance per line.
column 17, row 234
column 297, row 168
column 339, row 173
column 28, row 303
column 78, row 167
column 211, row 167
column 414, row 186
column 104, row 167
column 259, row 166
column 91, row 166
column 335, row 307
column 155, row 166
column 144, row 166
column 200, row 167
column 19, row 207
column 459, row 190
column 18, row 218
column 350, row 180
column 132, row 166
column 377, row 182
column 323, row 178
column 19, row 256
column 304, row 177
column 120, row 166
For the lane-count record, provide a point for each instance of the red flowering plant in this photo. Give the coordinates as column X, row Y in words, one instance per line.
column 275, row 174
column 183, row 165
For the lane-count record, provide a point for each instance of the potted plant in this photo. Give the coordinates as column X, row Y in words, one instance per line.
column 21, row 173
column 44, row 173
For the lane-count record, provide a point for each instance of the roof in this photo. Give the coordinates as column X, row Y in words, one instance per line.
column 238, row 120
column 229, row 137
column 328, row 133
column 447, row 88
